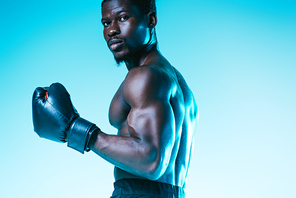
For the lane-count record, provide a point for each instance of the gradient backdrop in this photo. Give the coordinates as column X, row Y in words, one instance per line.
column 239, row 57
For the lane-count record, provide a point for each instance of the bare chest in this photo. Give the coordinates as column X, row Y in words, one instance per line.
column 118, row 110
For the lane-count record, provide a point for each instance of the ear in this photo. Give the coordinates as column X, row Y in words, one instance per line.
column 151, row 20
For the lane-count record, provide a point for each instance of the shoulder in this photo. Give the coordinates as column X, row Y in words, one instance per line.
column 146, row 82
column 146, row 72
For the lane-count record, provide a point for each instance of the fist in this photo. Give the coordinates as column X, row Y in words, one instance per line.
column 53, row 112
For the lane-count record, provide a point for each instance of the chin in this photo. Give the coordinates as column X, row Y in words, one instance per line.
column 124, row 54
column 119, row 61
column 121, row 57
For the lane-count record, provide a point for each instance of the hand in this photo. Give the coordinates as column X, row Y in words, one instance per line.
column 55, row 118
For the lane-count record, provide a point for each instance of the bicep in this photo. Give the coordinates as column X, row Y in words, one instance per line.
column 154, row 125
column 148, row 91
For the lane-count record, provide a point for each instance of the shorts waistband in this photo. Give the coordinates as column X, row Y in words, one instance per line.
column 148, row 188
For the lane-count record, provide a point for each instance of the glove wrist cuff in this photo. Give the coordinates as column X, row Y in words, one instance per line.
column 79, row 134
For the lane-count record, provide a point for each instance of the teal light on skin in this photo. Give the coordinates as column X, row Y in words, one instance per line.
column 237, row 56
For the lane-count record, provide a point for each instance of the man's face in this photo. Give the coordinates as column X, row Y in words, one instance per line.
column 125, row 28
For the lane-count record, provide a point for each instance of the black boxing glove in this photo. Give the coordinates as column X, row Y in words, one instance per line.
column 56, row 119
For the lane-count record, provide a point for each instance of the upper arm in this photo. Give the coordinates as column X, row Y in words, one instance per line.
column 151, row 117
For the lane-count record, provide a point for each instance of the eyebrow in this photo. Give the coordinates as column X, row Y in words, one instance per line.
column 117, row 13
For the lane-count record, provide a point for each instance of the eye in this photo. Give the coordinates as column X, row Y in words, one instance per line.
column 105, row 23
column 123, row 18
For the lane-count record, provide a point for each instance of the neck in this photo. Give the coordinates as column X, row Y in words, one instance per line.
column 143, row 56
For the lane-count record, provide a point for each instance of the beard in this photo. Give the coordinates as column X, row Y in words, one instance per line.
column 131, row 50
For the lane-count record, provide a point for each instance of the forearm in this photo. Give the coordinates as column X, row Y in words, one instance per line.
column 128, row 153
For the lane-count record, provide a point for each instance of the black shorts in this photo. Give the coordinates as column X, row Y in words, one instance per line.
column 134, row 188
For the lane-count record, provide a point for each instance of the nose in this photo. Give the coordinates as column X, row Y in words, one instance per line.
column 113, row 29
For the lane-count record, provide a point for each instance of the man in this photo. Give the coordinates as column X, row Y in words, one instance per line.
column 154, row 110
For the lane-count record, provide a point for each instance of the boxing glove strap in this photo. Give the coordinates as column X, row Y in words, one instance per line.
column 79, row 134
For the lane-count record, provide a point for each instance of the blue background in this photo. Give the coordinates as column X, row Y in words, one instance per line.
column 238, row 56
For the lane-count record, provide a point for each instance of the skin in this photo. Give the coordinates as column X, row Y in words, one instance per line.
column 153, row 109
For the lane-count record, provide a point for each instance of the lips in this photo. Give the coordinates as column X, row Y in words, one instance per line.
column 114, row 43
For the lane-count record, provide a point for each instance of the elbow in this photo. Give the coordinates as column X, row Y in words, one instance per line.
column 155, row 168
column 152, row 174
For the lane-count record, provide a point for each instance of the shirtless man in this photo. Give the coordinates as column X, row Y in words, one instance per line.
column 154, row 110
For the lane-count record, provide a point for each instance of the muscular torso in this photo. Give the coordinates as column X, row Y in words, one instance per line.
column 184, row 110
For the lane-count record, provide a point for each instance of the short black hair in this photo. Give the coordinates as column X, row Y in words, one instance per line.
column 145, row 6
